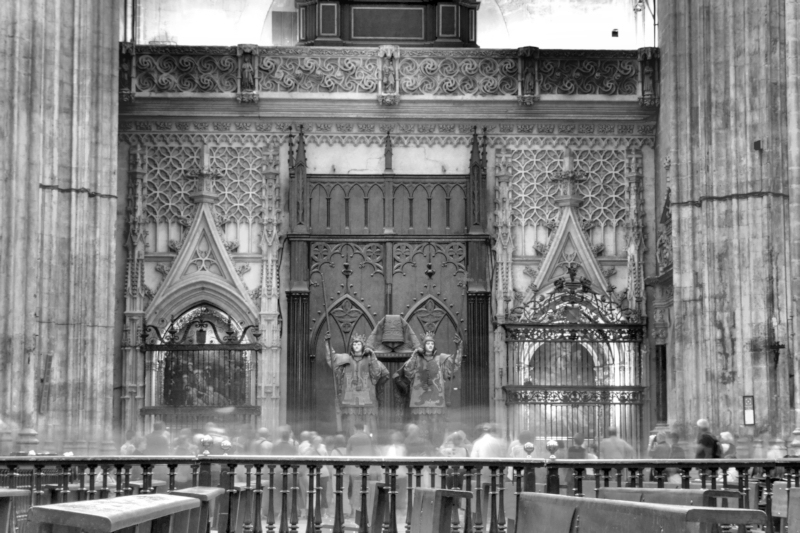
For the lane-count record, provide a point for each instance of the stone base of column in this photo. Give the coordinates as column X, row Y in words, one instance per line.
column 27, row 440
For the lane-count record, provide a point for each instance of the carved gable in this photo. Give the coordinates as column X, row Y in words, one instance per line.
column 569, row 248
column 203, row 263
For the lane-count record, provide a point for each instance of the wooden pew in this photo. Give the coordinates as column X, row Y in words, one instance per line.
column 157, row 484
column 562, row 514
column 433, row 509
column 378, row 504
column 793, row 511
column 208, row 497
column 234, row 505
column 163, row 513
column 7, row 514
column 509, row 502
column 695, row 497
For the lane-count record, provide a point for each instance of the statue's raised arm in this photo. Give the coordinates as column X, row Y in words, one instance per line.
column 358, row 373
column 428, row 370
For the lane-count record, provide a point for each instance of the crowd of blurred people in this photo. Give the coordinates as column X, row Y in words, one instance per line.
column 484, row 442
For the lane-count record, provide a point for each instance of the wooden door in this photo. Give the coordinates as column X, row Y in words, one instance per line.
column 379, row 246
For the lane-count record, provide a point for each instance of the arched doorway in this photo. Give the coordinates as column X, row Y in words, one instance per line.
column 574, row 366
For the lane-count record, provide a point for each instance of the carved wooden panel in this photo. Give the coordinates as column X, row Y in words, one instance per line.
column 421, row 205
column 359, row 272
column 426, row 280
column 349, row 279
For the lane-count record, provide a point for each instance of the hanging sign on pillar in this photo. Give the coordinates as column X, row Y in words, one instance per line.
column 749, row 410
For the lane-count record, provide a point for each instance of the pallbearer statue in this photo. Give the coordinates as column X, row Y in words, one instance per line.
column 422, row 378
column 358, row 374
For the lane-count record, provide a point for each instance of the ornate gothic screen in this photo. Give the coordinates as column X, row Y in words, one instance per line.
column 200, row 370
column 574, row 366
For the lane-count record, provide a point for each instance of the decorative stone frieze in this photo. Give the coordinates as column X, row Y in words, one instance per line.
column 581, row 72
column 435, row 134
column 526, row 74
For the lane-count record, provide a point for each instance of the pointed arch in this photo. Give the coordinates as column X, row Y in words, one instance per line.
column 352, row 312
column 434, row 312
column 198, row 290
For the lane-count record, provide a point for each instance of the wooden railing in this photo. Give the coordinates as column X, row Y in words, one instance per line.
column 279, row 487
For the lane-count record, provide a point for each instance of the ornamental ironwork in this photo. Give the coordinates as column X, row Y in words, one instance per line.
column 194, row 365
column 521, row 394
column 179, row 336
column 568, row 333
column 574, row 302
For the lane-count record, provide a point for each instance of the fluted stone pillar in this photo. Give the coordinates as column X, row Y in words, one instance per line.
column 58, row 200
column 723, row 132
column 792, row 18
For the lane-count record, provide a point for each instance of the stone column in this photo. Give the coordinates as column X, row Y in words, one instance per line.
column 792, row 18
column 58, row 73
column 722, row 125
column 268, row 294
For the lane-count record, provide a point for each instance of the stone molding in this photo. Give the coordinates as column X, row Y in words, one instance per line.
column 615, row 136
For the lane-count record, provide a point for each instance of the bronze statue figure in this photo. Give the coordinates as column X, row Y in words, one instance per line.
column 358, row 374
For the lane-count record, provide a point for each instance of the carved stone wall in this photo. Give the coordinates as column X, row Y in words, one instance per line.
column 603, row 210
column 247, row 213
column 532, row 154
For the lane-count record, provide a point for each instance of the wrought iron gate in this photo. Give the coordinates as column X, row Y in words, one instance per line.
column 574, row 366
column 195, row 373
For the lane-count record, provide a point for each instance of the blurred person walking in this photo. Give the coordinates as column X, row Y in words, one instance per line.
column 359, row 445
column 613, row 447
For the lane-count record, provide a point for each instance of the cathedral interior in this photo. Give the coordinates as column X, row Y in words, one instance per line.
column 598, row 202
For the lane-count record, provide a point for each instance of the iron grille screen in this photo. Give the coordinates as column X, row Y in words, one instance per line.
column 204, row 377
column 573, row 366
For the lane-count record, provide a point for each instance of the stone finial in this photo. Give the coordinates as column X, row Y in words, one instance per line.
column 204, row 190
column 568, row 178
column 387, row 154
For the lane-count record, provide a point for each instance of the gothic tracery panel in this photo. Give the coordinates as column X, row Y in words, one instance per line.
column 166, row 195
column 240, row 188
column 602, row 210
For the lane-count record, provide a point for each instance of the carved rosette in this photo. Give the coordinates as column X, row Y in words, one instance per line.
column 248, row 73
column 388, row 93
column 528, row 85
